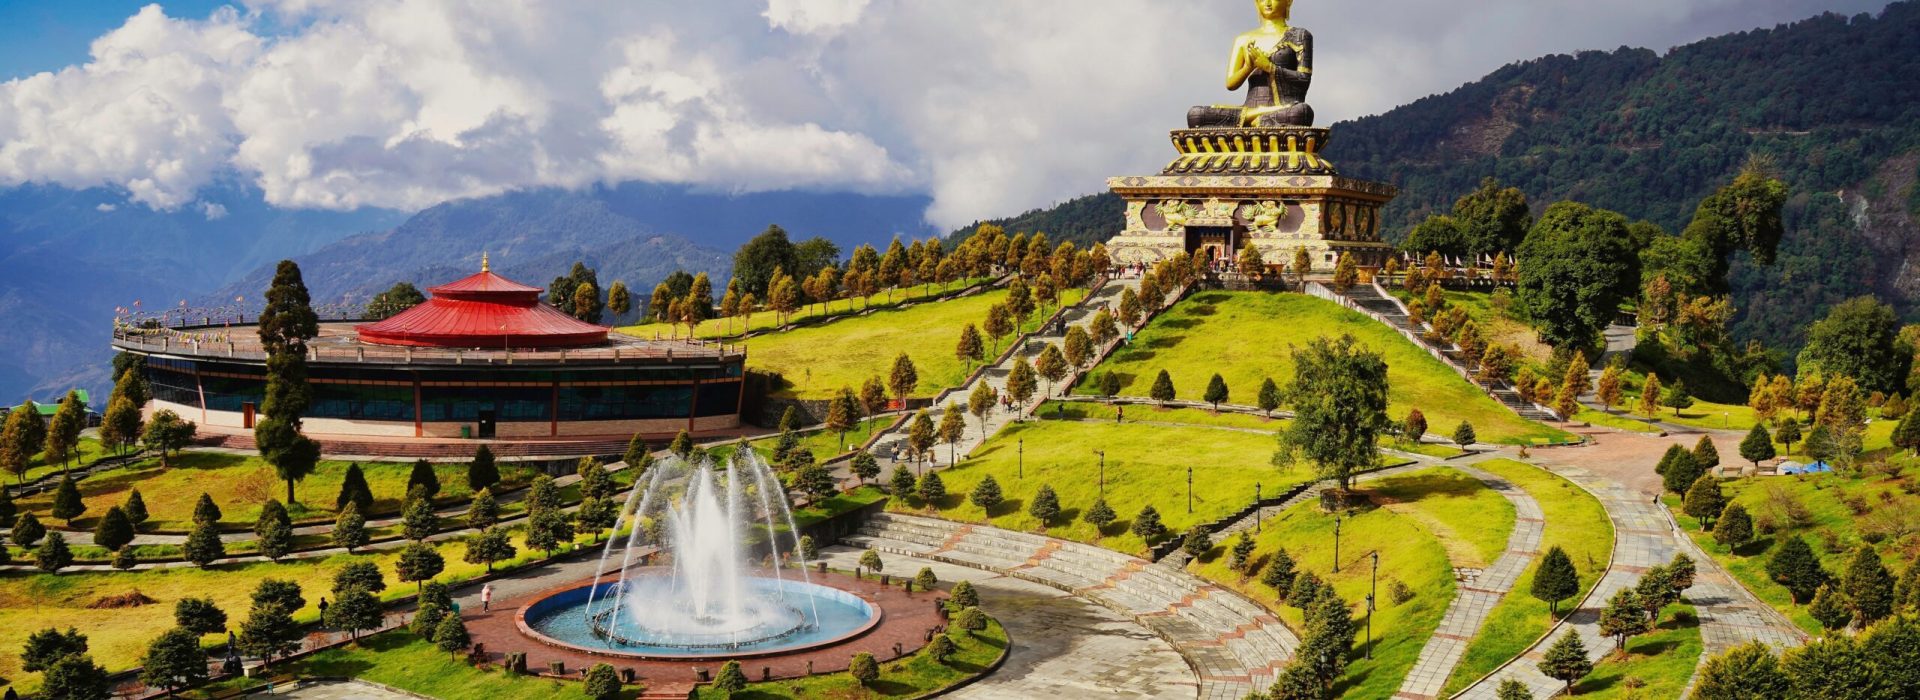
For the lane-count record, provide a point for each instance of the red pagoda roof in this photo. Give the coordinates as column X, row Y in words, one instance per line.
column 484, row 311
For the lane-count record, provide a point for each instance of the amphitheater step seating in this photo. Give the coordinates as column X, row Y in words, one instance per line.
column 1227, row 636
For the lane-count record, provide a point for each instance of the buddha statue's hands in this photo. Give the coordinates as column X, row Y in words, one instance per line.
column 1258, row 58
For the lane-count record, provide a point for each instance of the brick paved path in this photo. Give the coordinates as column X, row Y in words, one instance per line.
column 1644, row 537
column 1233, row 644
column 1473, row 602
column 1064, row 645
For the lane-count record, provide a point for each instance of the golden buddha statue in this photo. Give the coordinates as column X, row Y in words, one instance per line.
column 1275, row 63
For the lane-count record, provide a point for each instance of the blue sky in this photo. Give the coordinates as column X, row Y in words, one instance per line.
column 46, row 35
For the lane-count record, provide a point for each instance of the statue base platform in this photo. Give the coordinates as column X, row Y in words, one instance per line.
column 1215, row 216
column 1293, row 150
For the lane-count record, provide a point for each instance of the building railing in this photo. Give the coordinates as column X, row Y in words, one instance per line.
column 175, row 341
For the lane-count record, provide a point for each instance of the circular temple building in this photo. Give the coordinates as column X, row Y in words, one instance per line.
column 481, row 360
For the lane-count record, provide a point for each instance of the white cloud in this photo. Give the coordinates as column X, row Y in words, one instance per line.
column 823, row 17
column 105, row 207
column 989, row 106
column 213, row 212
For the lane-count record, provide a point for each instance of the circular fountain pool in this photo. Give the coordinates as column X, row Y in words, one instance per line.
column 651, row 620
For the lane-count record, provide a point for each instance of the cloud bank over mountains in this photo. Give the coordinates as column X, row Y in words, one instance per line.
column 988, row 106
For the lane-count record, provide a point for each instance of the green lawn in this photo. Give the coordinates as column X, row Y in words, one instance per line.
column 1619, row 421
column 88, row 450
column 725, row 328
column 1431, row 449
column 819, row 361
column 117, row 637
column 1146, row 464
column 1661, row 661
column 1825, row 519
column 1409, row 554
column 1575, row 522
column 915, row 676
column 240, row 484
column 1468, row 518
column 1137, row 413
column 1247, row 336
column 403, row 660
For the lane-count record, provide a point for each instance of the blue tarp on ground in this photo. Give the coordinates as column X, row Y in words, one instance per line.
column 1798, row 468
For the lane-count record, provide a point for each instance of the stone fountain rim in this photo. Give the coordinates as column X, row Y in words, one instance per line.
column 526, row 630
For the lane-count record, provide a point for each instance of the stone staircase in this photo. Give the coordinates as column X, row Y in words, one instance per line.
column 1370, row 299
column 1234, row 645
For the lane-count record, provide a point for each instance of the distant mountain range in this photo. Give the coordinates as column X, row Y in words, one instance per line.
column 66, row 261
column 1832, row 102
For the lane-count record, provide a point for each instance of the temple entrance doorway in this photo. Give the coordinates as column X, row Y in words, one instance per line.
column 487, row 424
column 1212, row 243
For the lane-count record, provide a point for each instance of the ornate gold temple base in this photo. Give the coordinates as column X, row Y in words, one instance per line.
column 1276, row 151
column 1214, row 216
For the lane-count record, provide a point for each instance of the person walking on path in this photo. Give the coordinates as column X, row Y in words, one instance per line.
column 323, row 607
column 486, row 598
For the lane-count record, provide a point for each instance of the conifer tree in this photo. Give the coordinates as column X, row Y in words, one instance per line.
column 350, row 529
column 1279, row 574
column 901, row 482
column 8, row 509
column 423, row 480
column 27, row 530
column 199, row 616
column 489, row 547
column 1464, row 435
column 1162, row 387
column 1831, row 608
column 1650, row 397
column 67, row 504
column 931, row 489
column 418, row 521
column 1745, row 672
column 1566, row 660
column 484, row 513
column 1623, row 618
column 114, row 530
column 1045, row 506
column 1147, row 525
column 1556, row 579
column 451, row 636
column 1868, row 585
column 1794, row 565
column 1705, row 455
column 1734, row 527
column 203, row 545
column 274, row 530
column 1677, row 469
column 1704, row 501
column 1269, row 396
column 1415, row 426
column 1100, row 515
column 903, row 378
column 1757, row 446
column 482, row 472
column 53, row 554
column 1216, row 391
column 970, row 349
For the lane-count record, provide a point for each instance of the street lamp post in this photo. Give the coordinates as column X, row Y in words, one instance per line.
column 1189, row 489
column 1372, row 594
column 1103, row 472
column 1256, row 507
column 1022, row 445
column 1336, row 542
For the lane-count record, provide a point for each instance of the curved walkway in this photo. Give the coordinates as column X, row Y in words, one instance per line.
column 1644, row 537
column 1233, row 644
column 1473, row 602
column 1064, row 645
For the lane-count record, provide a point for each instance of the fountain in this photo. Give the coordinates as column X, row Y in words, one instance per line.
column 708, row 600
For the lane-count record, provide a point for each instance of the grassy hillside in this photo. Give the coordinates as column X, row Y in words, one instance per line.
column 1247, row 336
column 818, row 361
column 1145, row 464
column 1412, row 554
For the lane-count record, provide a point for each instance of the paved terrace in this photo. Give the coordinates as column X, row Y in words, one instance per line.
column 1233, row 644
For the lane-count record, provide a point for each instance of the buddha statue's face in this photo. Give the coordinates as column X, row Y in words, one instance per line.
column 1274, row 10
